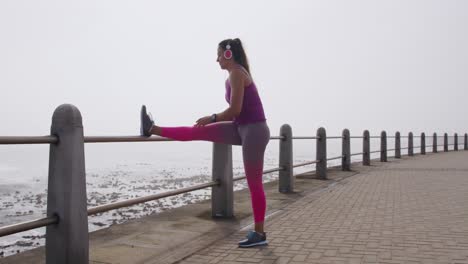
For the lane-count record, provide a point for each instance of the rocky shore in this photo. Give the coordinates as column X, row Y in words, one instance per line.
column 27, row 202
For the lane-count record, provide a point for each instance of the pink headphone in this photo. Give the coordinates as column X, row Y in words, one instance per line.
column 228, row 52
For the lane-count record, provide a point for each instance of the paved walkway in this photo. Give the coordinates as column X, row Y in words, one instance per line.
column 413, row 210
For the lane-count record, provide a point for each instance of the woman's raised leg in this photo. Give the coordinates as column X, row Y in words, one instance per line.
column 220, row 132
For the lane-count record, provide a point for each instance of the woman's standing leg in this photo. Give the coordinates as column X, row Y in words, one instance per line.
column 255, row 138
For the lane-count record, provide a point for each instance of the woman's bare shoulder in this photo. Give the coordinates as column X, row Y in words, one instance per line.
column 240, row 74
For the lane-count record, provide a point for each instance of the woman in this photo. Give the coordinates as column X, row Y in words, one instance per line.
column 242, row 123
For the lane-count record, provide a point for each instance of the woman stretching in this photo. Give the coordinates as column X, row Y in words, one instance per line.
column 242, row 123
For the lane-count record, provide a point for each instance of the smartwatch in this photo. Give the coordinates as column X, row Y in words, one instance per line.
column 213, row 118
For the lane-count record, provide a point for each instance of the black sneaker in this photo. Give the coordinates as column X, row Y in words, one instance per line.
column 146, row 122
column 253, row 239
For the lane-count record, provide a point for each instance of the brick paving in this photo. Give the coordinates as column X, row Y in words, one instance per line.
column 413, row 210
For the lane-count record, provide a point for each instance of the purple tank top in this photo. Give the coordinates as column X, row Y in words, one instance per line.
column 252, row 108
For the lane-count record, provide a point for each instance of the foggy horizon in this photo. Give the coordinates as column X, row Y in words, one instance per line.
column 386, row 65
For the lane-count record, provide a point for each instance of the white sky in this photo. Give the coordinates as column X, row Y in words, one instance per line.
column 377, row 65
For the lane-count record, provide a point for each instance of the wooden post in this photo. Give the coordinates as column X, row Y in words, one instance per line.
column 423, row 144
column 68, row 241
column 445, row 142
column 346, row 151
column 410, row 144
column 466, row 142
column 222, row 195
column 383, row 146
column 321, row 166
column 397, row 145
column 286, row 177
column 366, row 148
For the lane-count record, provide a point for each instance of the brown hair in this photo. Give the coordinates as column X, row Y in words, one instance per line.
column 238, row 52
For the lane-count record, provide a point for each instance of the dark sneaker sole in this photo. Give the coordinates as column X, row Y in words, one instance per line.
column 261, row 243
column 145, row 122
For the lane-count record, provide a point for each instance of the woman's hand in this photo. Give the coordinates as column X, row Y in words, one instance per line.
column 203, row 121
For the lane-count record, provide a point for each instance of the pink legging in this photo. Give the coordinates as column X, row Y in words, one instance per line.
column 253, row 137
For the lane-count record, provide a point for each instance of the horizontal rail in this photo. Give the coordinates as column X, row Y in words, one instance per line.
column 306, row 163
column 6, row 140
column 28, row 140
column 239, row 178
column 391, row 149
column 279, row 137
column 377, row 151
column 273, row 170
column 17, row 140
column 16, row 228
column 264, row 172
column 356, row 154
column 335, row 158
column 112, row 139
column 25, row 226
column 117, row 205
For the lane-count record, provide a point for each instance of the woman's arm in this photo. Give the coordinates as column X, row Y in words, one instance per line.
column 237, row 80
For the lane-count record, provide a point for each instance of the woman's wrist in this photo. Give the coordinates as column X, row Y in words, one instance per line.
column 214, row 117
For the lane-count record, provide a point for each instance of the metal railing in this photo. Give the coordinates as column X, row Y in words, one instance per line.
column 264, row 172
column 67, row 167
column 28, row 140
column 306, row 163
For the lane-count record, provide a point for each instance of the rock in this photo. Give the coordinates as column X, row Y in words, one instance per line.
column 99, row 224
column 24, row 244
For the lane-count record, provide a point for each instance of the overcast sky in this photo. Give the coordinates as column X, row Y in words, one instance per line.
column 377, row 65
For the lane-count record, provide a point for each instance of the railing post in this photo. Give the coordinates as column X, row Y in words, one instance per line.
column 423, row 144
column 434, row 143
column 321, row 156
column 346, row 151
column 455, row 142
column 466, row 142
column 68, row 241
column 445, row 142
column 222, row 202
column 286, row 177
column 397, row 145
column 383, row 146
column 366, row 148
column 410, row 144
